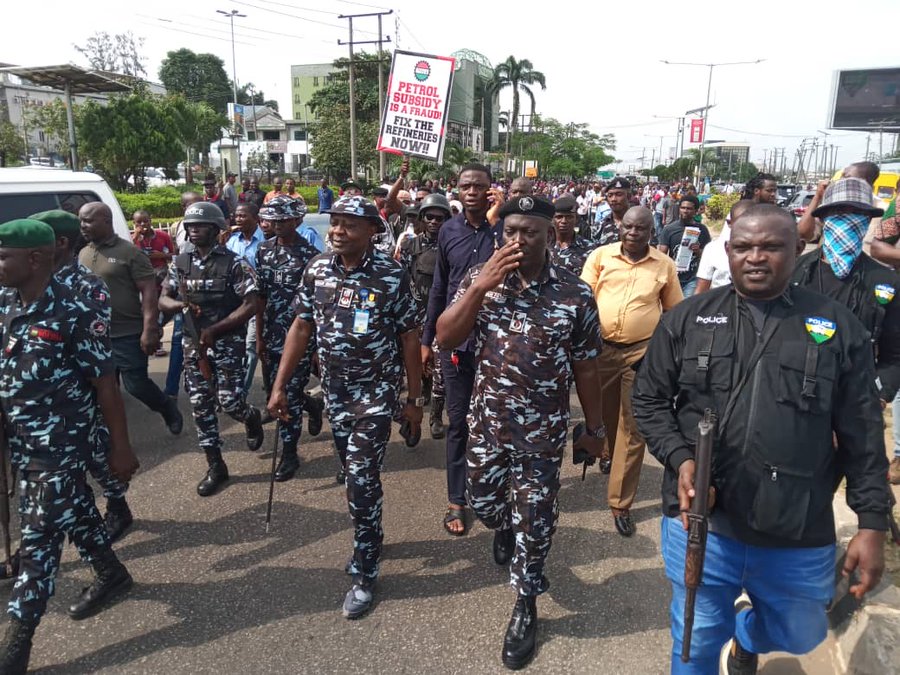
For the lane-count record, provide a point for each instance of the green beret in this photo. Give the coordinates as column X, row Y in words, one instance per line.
column 64, row 224
column 26, row 233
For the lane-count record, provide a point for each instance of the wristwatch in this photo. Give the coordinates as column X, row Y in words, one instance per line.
column 599, row 432
column 417, row 402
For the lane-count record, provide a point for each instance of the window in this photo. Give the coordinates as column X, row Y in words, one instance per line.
column 299, row 134
column 251, row 135
column 316, row 81
column 271, row 136
column 22, row 205
column 296, row 81
column 297, row 100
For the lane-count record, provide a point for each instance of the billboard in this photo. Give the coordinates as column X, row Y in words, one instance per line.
column 415, row 111
column 697, row 130
column 867, row 99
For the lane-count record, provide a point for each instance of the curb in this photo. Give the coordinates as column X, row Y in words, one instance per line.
column 865, row 633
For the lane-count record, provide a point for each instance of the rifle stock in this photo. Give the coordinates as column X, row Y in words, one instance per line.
column 698, row 526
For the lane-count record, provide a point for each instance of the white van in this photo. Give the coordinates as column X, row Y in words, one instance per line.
column 28, row 190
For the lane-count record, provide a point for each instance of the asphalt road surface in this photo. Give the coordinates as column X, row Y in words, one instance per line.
column 215, row 594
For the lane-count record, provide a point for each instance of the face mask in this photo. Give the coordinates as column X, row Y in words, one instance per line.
column 842, row 241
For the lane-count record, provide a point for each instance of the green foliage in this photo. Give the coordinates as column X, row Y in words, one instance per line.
column 119, row 53
column 52, row 120
column 718, row 205
column 519, row 76
column 199, row 77
column 565, row 150
column 197, row 125
column 12, row 145
column 158, row 202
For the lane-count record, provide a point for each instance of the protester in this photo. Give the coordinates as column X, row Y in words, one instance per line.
column 713, row 270
column 673, row 237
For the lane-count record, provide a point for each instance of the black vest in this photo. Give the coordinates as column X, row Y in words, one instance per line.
column 209, row 288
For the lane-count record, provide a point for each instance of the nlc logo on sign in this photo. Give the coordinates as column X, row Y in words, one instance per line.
column 422, row 71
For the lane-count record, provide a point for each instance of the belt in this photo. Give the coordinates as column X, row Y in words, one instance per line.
column 623, row 345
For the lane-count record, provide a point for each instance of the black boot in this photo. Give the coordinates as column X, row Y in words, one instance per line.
column 436, row 422
column 520, row 639
column 216, row 476
column 172, row 416
column 118, row 518
column 111, row 580
column 288, row 465
column 427, row 387
column 16, row 647
column 504, row 543
column 254, row 427
column 313, row 407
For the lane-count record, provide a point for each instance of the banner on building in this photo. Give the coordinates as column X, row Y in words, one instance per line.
column 236, row 115
column 414, row 119
column 697, row 130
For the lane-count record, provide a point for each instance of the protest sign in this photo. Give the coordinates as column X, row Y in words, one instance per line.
column 415, row 112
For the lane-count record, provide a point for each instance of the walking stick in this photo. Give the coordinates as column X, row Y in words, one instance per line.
column 272, row 477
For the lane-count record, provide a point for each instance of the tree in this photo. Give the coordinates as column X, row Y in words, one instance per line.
column 12, row 144
column 519, row 76
column 129, row 134
column 259, row 160
column 258, row 98
column 564, row 150
column 51, row 118
column 119, row 53
column 197, row 125
column 455, row 156
column 199, row 77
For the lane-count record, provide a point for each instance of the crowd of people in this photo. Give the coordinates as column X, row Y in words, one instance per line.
column 484, row 301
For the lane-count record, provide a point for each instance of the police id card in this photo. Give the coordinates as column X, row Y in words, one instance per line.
column 361, row 322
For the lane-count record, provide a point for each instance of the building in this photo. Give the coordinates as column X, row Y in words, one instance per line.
column 729, row 156
column 305, row 81
column 473, row 116
column 264, row 137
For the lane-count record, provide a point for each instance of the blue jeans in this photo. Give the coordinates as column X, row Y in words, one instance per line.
column 176, row 357
column 131, row 362
column 896, row 413
column 789, row 589
column 250, row 358
column 688, row 287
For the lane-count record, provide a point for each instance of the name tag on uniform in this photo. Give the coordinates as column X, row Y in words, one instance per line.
column 360, row 321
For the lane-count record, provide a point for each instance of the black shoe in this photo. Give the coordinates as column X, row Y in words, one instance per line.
column 624, row 524
column 314, row 407
column 340, row 477
column 254, row 427
column 11, row 571
column 605, row 465
column 521, row 634
column 427, row 386
column 739, row 661
column 504, row 543
column 287, row 467
column 215, row 477
column 118, row 518
column 172, row 416
column 16, row 647
column 111, row 580
column 267, row 416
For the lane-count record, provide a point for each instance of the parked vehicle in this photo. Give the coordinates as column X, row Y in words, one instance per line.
column 799, row 203
column 786, row 193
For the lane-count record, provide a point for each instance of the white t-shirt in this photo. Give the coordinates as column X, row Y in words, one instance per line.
column 714, row 262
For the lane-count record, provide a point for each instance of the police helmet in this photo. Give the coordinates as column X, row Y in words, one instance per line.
column 435, row 201
column 205, row 213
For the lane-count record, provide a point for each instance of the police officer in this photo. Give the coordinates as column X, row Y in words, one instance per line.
column 69, row 272
column 536, row 327
column 358, row 301
column 216, row 291
column 842, row 271
column 570, row 250
column 56, row 367
column 758, row 351
column 618, row 196
column 280, row 262
column 418, row 254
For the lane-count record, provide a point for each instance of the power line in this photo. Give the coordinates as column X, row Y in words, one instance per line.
column 294, row 16
column 196, row 34
column 411, row 34
column 204, row 28
column 757, row 133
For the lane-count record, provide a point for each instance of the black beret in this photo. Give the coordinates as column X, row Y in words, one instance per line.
column 618, row 183
column 527, row 206
column 565, row 204
column 380, row 192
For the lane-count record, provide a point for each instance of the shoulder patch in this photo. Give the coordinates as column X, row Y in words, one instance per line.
column 884, row 293
column 99, row 328
column 820, row 329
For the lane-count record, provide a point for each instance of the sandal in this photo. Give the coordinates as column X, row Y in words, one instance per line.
column 455, row 514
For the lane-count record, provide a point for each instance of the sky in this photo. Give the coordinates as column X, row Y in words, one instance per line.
column 603, row 66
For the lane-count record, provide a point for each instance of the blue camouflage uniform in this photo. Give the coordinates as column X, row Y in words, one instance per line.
column 279, row 273
column 218, row 284
column 93, row 289
column 360, row 315
column 526, row 341
column 51, row 350
column 573, row 256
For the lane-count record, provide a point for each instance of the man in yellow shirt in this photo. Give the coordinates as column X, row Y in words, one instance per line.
column 633, row 284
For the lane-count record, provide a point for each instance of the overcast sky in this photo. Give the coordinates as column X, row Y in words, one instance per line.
column 602, row 67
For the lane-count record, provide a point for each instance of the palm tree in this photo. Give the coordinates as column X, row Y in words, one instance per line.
column 517, row 75
column 456, row 156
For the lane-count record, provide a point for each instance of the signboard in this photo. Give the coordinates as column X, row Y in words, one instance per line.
column 867, row 99
column 276, row 147
column 415, row 112
column 236, row 115
column 605, row 175
column 697, row 130
column 531, row 172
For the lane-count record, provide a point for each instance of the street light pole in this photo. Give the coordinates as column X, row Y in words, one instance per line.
column 231, row 15
column 708, row 92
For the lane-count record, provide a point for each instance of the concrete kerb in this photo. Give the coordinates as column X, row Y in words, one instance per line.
column 867, row 634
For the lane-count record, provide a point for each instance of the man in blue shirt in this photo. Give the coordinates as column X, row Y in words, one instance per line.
column 244, row 241
column 326, row 196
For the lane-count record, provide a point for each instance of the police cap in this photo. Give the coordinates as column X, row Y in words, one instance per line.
column 565, row 204
column 26, row 233
column 64, row 224
column 282, row 207
column 380, row 192
column 359, row 207
column 527, row 206
column 618, row 183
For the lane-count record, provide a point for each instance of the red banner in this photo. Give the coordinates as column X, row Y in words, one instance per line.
column 697, row 130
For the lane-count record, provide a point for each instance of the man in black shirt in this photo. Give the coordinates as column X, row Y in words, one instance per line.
column 671, row 238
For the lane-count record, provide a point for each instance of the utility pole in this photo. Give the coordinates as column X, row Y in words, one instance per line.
column 231, row 15
column 352, row 80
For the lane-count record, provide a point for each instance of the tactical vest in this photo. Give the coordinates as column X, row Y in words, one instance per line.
column 423, row 268
column 209, row 288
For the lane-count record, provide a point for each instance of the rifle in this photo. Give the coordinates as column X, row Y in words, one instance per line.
column 202, row 360
column 698, row 526
column 579, row 454
column 272, row 477
column 4, row 498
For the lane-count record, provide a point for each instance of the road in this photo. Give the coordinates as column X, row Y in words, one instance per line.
column 215, row 594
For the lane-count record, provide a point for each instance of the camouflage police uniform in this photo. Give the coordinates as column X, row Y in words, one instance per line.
column 359, row 315
column 527, row 338
column 51, row 350
column 605, row 232
column 279, row 273
column 574, row 256
column 217, row 284
column 93, row 290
